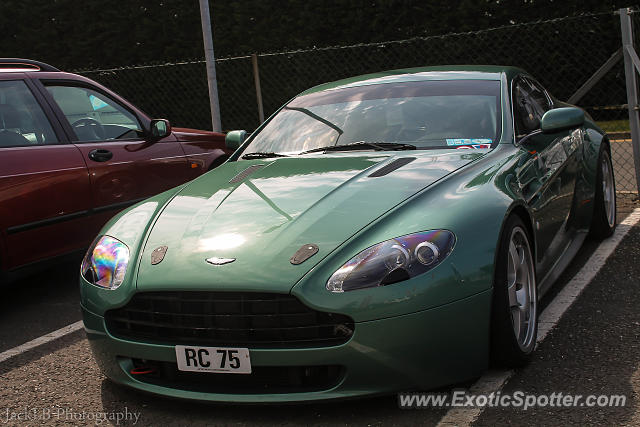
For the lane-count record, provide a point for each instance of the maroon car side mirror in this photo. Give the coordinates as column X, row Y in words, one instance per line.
column 160, row 128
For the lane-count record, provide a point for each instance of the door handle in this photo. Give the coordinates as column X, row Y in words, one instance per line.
column 100, row 155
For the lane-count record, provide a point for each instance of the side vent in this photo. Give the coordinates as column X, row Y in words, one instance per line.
column 245, row 173
column 396, row 164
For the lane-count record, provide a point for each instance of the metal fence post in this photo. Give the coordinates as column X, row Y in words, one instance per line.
column 632, row 87
column 210, row 60
column 256, row 80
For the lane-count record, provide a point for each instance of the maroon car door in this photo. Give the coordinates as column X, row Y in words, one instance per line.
column 124, row 166
column 44, row 184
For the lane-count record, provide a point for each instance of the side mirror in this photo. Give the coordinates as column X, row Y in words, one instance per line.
column 160, row 128
column 235, row 139
column 560, row 119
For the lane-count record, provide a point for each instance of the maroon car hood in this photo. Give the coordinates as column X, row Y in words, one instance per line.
column 185, row 134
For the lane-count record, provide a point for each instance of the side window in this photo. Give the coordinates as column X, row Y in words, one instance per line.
column 93, row 116
column 530, row 104
column 22, row 121
column 540, row 95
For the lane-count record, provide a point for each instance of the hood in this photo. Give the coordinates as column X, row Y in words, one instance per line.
column 187, row 135
column 261, row 212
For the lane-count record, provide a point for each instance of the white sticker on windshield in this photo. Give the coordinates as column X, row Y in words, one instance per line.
column 476, row 146
column 468, row 141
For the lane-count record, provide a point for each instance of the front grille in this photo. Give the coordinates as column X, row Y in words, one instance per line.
column 263, row 379
column 237, row 319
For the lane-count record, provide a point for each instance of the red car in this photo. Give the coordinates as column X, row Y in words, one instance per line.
column 73, row 153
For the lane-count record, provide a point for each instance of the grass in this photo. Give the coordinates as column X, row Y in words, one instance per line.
column 614, row 125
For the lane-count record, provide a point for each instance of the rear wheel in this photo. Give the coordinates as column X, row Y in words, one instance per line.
column 603, row 223
column 514, row 314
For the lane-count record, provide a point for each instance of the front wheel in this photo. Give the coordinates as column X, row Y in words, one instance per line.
column 514, row 314
column 603, row 223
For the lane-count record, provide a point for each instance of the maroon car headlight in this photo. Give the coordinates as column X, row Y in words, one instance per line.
column 393, row 261
column 105, row 263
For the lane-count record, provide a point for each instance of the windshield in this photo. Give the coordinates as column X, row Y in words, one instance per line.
column 427, row 114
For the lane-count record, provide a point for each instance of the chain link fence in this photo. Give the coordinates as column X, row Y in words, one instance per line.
column 621, row 149
column 561, row 53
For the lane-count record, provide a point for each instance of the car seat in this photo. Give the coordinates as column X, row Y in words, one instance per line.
column 10, row 127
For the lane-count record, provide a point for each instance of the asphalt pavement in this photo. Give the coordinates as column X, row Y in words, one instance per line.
column 593, row 350
column 40, row 304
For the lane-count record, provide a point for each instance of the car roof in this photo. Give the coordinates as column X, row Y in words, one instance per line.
column 441, row 72
column 10, row 68
column 13, row 65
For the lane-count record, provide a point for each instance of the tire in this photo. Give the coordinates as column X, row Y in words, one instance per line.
column 515, row 298
column 603, row 223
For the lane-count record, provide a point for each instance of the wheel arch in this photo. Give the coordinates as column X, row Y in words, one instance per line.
column 607, row 141
column 525, row 216
column 520, row 210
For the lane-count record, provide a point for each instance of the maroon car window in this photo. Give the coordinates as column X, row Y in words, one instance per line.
column 93, row 116
column 22, row 121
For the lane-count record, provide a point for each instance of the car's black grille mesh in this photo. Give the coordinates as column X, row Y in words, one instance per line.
column 263, row 379
column 227, row 319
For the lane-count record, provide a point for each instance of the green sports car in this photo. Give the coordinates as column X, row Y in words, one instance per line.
column 387, row 232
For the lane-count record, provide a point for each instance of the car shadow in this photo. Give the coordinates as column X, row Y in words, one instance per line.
column 159, row 410
column 39, row 303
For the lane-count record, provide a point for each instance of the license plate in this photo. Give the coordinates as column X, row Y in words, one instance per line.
column 213, row 359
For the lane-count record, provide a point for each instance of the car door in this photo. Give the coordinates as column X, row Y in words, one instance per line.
column 548, row 177
column 125, row 164
column 45, row 194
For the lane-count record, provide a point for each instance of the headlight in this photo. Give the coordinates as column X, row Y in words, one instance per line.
column 393, row 261
column 105, row 263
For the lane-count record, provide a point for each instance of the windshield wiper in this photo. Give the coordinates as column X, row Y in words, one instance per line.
column 378, row 146
column 262, row 155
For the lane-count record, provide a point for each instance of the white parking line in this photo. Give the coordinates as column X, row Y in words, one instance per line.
column 40, row 340
column 493, row 381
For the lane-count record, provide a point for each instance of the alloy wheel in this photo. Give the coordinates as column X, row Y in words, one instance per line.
column 521, row 289
column 608, row 191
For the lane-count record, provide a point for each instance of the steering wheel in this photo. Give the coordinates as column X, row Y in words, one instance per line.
column 89, row 127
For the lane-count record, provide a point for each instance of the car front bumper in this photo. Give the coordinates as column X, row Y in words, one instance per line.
column 424, row 350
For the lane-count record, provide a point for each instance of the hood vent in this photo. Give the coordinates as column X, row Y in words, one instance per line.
column 245, row 173
column 396, row 164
